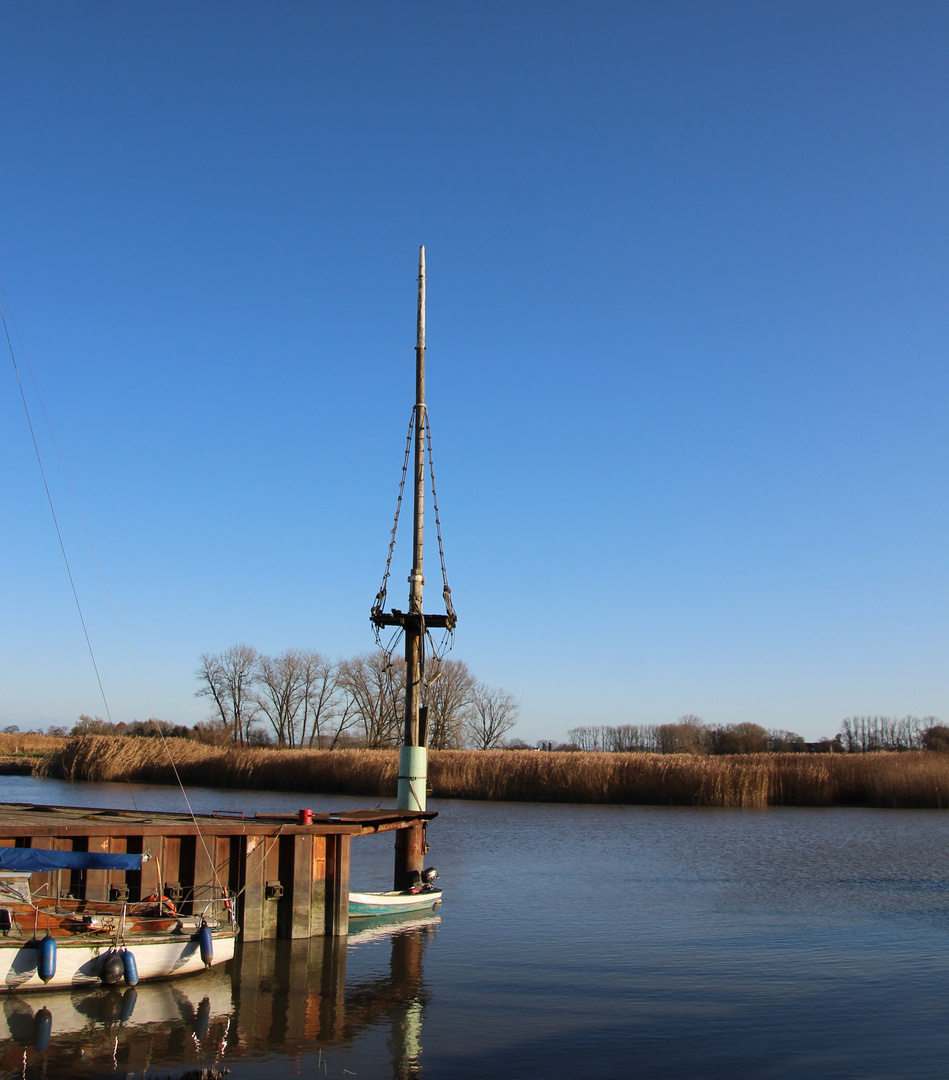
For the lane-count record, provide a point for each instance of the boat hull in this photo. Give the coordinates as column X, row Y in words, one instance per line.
column 79, row 962
column 373, row 904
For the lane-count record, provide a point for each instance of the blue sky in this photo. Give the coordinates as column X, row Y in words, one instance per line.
column 687, row 329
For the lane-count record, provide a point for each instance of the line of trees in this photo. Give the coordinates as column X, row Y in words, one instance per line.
column 864, row 734
column 303, row 699
column 691, row 735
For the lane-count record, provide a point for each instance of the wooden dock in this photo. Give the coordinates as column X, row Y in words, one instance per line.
column 289, row 879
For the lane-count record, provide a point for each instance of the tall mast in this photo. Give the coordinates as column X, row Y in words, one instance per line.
column 414, row 630
column 413, row 757
column 410, row 845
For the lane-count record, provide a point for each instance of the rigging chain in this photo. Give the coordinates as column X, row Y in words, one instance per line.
column 446, row 589
column 378, row 605
column 380, row 600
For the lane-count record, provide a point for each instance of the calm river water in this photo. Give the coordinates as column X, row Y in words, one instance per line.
column 574, row 941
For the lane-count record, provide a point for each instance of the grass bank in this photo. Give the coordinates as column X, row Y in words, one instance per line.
column 910, row 780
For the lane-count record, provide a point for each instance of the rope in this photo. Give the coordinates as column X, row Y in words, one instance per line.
column 72, row 584
column 52, row 509
column 75, row 499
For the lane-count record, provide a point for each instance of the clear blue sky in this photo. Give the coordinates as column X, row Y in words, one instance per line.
column 687, row 331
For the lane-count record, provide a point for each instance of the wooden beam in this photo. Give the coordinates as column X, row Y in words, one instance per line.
column 406, row 618
column 302, row 885
column 251, row 909
column 337, row 886
column 97, row 881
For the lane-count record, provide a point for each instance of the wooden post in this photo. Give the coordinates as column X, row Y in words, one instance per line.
column 151, row 879
column 337, row 885
column 251, row 912
column 97, row 881
column 304, row 864
column 170, row 865
column 203, row 873
column 410, row 853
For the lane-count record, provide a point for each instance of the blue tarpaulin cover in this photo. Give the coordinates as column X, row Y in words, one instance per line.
column 36, row 859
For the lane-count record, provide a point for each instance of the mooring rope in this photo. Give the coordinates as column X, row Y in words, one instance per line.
column 49, row 496
column 5, row 307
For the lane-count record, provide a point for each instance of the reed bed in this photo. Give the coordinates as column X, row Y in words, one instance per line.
column 28, row 744
column 149, row 761
column 908, row 780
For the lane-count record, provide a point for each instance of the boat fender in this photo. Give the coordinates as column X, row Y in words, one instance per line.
column 128, row 1004
column 206, row 944
column 112, row 969
column 46, row 958
column 130, row 967
column 42, row 1029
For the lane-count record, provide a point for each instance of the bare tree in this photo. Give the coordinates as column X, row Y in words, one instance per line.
column 227, row 679
column 375, row 686
column 279, row 692
column 327, row 711
column 448, row 694
column 687, row 736
column 587, row 738
column 493, row 714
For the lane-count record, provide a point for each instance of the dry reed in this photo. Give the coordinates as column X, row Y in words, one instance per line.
column 28, row 743
column 909, row 780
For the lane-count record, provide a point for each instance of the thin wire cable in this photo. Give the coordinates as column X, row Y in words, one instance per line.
column 75, row 499
column 52, row 510
column 3, row 308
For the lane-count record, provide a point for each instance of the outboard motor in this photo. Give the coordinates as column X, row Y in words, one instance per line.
column 428, row 879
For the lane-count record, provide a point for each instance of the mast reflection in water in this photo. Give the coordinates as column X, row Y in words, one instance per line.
column 275, row 1000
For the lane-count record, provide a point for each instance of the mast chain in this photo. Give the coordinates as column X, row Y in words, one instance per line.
column 446, row 590
column 380, row 600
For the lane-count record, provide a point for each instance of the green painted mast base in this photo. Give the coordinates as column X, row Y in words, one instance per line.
column 413, row 777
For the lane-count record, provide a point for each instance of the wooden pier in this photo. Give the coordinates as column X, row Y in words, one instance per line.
column 289, row 879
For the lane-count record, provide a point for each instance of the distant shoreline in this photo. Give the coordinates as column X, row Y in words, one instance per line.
column 910, row 780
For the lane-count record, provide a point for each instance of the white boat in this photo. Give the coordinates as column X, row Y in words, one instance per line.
column 364, row 905
column 52, row 943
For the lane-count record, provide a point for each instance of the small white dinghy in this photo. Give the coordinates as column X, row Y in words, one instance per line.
column 426, row 897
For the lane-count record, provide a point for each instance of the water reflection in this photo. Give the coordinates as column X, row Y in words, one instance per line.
column 104, row 1031
column 275, row 999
